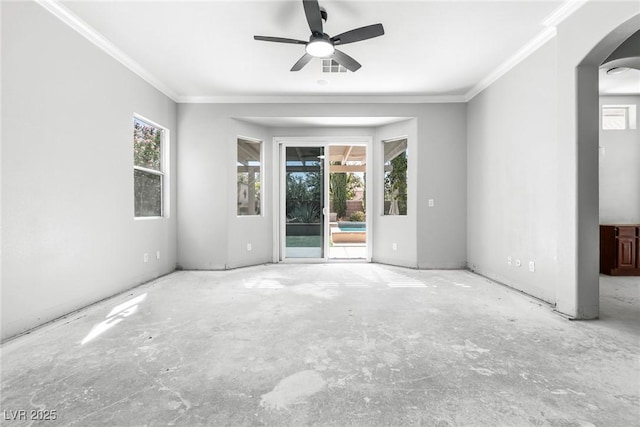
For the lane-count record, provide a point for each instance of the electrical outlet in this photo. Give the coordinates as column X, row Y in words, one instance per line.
column 394, row 246
column 249, row 247
column 508, row 260
column 431, row 203
column 518, row 263
column 145, row 257
column 157, row 254
column 532, row 266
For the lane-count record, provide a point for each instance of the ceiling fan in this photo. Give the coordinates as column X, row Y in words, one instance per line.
column 320, row 45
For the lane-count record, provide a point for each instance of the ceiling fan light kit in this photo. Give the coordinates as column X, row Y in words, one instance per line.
column 320, row 48
column 320, row 45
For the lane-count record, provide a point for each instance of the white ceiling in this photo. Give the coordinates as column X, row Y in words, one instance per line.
column 204, row 50
column 626, row 83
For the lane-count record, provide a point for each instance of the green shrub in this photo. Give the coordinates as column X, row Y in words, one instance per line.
column 305, row 214
column 357, row 217
column 338, row 182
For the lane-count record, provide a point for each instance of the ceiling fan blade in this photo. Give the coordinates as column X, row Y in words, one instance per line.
column 301, row 62
column 346, row 61
column 314, row 17
column 278, row 40
column 362, row 33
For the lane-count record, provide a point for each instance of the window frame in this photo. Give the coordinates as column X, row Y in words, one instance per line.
column 163, row 173
column 261, row 174
column 630, row 111
column 404, row 138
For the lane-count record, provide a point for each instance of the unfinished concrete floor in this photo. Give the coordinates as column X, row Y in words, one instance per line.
column 329, row 344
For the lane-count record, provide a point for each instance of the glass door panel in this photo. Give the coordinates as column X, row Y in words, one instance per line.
column 347, row 191
column 304, row 202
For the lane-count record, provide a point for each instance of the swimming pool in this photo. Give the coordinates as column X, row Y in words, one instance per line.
column 352, row 226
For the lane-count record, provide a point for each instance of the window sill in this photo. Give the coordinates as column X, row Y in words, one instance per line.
column 147, row 218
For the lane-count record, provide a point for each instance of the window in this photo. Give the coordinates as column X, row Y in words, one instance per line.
column 249, row 173
column 618, row 117
column 395, row 177
column 148, row 168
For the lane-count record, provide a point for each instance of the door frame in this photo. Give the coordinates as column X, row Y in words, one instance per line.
column 278, row 195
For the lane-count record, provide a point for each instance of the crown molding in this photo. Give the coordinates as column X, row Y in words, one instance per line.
column 563, row 12
column 323, row 99
column 72, row 20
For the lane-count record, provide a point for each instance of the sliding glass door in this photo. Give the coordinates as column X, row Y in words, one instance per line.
column 304, row 201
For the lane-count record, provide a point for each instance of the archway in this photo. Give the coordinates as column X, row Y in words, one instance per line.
column 587, row 136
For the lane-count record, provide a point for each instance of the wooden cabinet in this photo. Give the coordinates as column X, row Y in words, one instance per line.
column 620, row 250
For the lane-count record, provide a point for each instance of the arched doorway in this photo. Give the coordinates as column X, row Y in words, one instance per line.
column 587, row 167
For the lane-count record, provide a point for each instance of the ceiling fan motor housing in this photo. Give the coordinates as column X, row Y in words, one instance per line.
column 318, row 36
column 323, row 14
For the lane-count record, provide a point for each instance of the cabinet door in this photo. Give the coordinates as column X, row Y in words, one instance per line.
column 626, row 252
column 637, row 247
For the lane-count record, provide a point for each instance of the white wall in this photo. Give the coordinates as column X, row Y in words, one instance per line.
column 532, row 155
column 69, row 237
column 257, row 230
column 205, row 165
column 620, row 168
column 512, row 173
column 203, row 185
column 400, row 230
column 442, row 176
